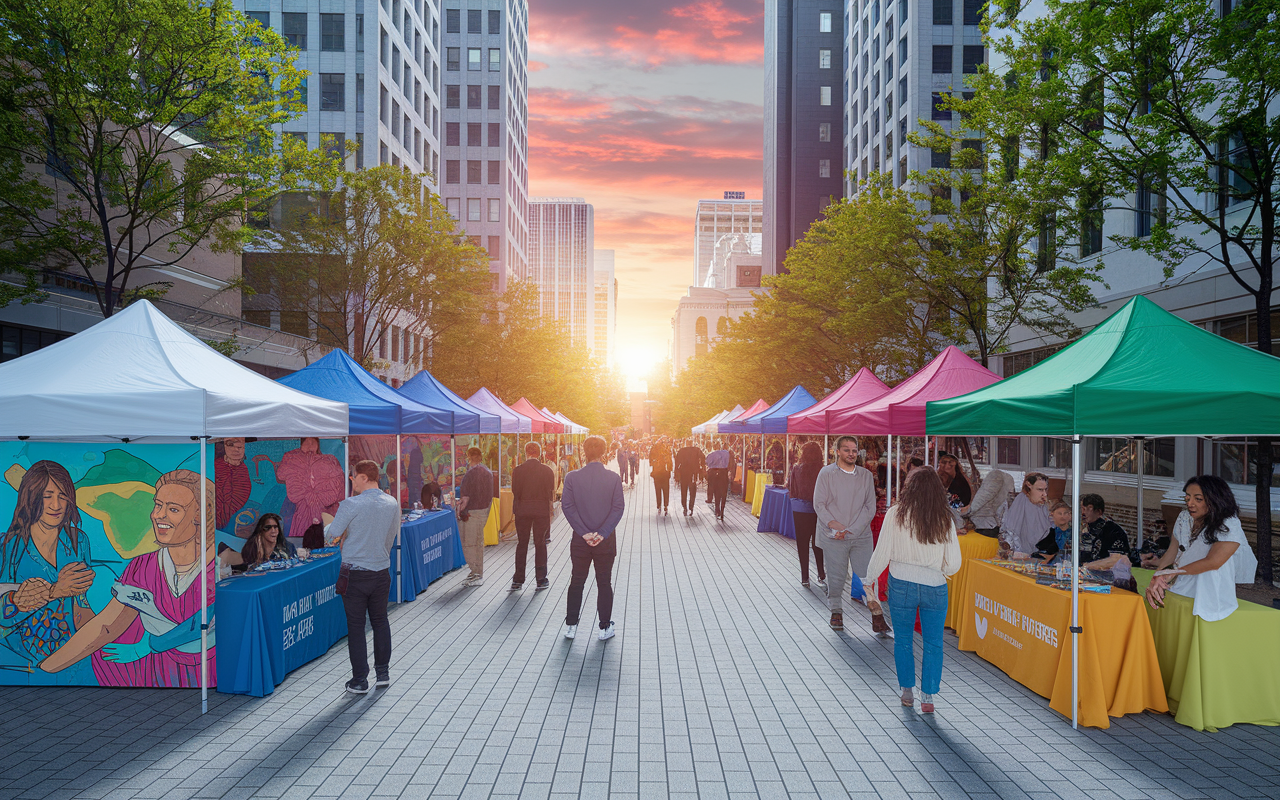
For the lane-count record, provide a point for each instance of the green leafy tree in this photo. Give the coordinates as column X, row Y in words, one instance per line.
column 133, row 133
column 378, row 250
column 1167, row 108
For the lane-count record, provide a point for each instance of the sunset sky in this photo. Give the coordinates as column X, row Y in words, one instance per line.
column 643, row 108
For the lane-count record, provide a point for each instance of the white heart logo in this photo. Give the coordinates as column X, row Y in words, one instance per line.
column 980, row 622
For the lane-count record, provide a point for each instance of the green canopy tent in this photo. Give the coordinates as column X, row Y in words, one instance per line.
column 1143, row 372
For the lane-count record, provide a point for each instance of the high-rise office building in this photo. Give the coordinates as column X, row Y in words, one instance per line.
column 899, row 67
column 606, row 307
column 716, row 218
column 802, row 119
column 485, row 183
column 374, row 76
column 561, row 261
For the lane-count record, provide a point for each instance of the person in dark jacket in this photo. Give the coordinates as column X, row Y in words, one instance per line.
column 803, row 478
column 533, row 490
column 690, row 464
column 593, row 506
column 660, row 469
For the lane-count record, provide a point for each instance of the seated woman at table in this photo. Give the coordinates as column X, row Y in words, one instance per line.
column 1027, row 519
column 1058, row 540
column 266, row 543
column 1208, row 554
column 432, row 497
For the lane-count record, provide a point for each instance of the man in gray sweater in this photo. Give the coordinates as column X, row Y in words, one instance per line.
column 845, row 501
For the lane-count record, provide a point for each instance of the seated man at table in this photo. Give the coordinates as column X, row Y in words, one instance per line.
column 1099, row 534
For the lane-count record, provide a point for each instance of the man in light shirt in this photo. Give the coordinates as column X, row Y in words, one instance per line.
column 844, row 499
column 719, row 465
column 366, row 527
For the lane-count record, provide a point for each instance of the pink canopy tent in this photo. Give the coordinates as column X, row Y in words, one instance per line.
column 548, row 424
column 756, row 408
column 862, row 388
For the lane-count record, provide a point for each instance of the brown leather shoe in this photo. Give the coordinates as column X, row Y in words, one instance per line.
column 837, row 621
column 879, row 624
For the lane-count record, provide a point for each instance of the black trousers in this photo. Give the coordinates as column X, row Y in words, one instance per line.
column 662, row 488
column 688, row 492
column 538, row 527
column 718, row 484
column 806, row 534
column 584, row 556
column 367, row 593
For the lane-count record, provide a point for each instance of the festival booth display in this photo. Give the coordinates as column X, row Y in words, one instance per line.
column 737, row 443
column 858, row 390
column 380, row 416
column 774, row 458
column 699, row 430
column 753, row 487
column 514, row 424
column 113, row 420
column 1142, row 372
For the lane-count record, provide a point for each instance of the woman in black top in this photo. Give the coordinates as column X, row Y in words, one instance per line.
column 266, row 543
column 804, row 476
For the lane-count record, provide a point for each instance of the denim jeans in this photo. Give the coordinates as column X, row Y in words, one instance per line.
column 905, row 599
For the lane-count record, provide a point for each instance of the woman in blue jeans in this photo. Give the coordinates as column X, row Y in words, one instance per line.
column 918, row 545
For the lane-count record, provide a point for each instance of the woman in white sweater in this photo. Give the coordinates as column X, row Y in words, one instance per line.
column 918, row 545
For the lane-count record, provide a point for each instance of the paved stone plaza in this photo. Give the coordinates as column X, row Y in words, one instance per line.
column 724, row 681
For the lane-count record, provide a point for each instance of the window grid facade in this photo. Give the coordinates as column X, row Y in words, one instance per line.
column 562, row 262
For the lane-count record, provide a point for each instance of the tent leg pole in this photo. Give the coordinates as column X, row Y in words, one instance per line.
column 1142, row 464
column 1075, row 585
column 888, row 473
column 346, row 467
column 826, row 447
column 399, row 543
column 453, row 462
column 786, row 473
column 204, row 585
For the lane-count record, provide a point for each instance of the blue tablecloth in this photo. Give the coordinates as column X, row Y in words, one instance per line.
column 775, row 513
column 431, row 546
column 271, row 623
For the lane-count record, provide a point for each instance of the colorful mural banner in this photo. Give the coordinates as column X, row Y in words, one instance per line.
column 302, row 480
column 100, row 564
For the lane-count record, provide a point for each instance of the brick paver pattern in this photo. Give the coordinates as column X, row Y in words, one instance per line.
column 724, row 681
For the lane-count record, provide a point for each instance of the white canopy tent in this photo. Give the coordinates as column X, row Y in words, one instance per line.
column 139, row 377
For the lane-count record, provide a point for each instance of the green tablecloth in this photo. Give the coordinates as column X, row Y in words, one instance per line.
column 1217, row 673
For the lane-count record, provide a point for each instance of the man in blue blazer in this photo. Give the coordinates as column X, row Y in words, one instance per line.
column 592, row 504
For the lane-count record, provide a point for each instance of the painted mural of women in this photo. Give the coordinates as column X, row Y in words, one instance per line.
column 313, row 481
column 231, row 476
column 149, row 634
column 44, row 572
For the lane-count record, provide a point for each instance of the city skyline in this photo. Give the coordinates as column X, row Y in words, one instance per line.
column 644, row 112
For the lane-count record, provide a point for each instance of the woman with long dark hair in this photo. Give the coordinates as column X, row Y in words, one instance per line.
column 804, row 476
column 44, row 572
column 918, row 544
column 267, row 542
column 1208, row 553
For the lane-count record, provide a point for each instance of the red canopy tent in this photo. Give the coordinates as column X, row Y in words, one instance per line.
column 861, row 388
column 541, row 422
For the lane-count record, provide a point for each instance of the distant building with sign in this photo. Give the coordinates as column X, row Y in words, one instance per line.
column 715, row 219
column 735, row 195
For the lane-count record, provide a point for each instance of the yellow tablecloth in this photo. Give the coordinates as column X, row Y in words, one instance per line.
column 1217, row 673
column 1023, row 629
column 749, row 486
column 972, row 546
column 757, row 497
column 501, row 519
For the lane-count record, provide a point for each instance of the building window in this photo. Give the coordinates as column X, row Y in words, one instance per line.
column 824, row 96
column 495, row 22
column 451, row 205
column 359, row 33
column 1055, row 453
column 473, row 59
column 1008, row 450
column 452, row 21
column 451, row 96
column 383, row 154
column 974, row 56
column 902, row 53
column 940, row 111
column 824, row 22
column 333, row 91
column 495, row 59
column 263, row 18
column 824, row 58
column 824, row 168
column 452, row 171
column 495, row 97
column 1014, row 363
column 473, row 134
column 940, row 158
column 939, row 199
column 452, row 59
column 495, row 172
column 360, row 92
column 473, row 209
column 942, row 59
column 494, row 248
column 475, row 172
column 700, row 338
column 474, row 19
column 1237, row 461
column 824, row 131
column 495, row 209
column 294, row 28
column 452, row 131
column 943, row 12
column 1121, row 455
column 473, row 96
column 495, row 134
column 333, row 38
column 1091, row 217
column 359, row 151
column 973, row 11
column 18, row 341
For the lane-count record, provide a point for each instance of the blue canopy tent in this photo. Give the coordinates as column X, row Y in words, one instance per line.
column 375, row 408
column 773, row 419
column 467, row 418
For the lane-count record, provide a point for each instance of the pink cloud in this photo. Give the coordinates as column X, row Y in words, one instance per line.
column 537, row 66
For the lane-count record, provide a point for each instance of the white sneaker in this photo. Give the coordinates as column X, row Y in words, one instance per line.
column 820, row 583
column 570, row 631
column 608, row 633
column 476, row 581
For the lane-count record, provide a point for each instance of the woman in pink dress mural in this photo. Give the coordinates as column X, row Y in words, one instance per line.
column 154, row 617
column 313, row 481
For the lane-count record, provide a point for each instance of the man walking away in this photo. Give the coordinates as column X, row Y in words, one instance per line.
column 719, row 465
column 533, row 487
column 844, row 499
column 366, row 527
column 592, row 505
column 633, row 458
column 624, row 460
column 473, row 513
column 689, row 467
column 660, row 469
